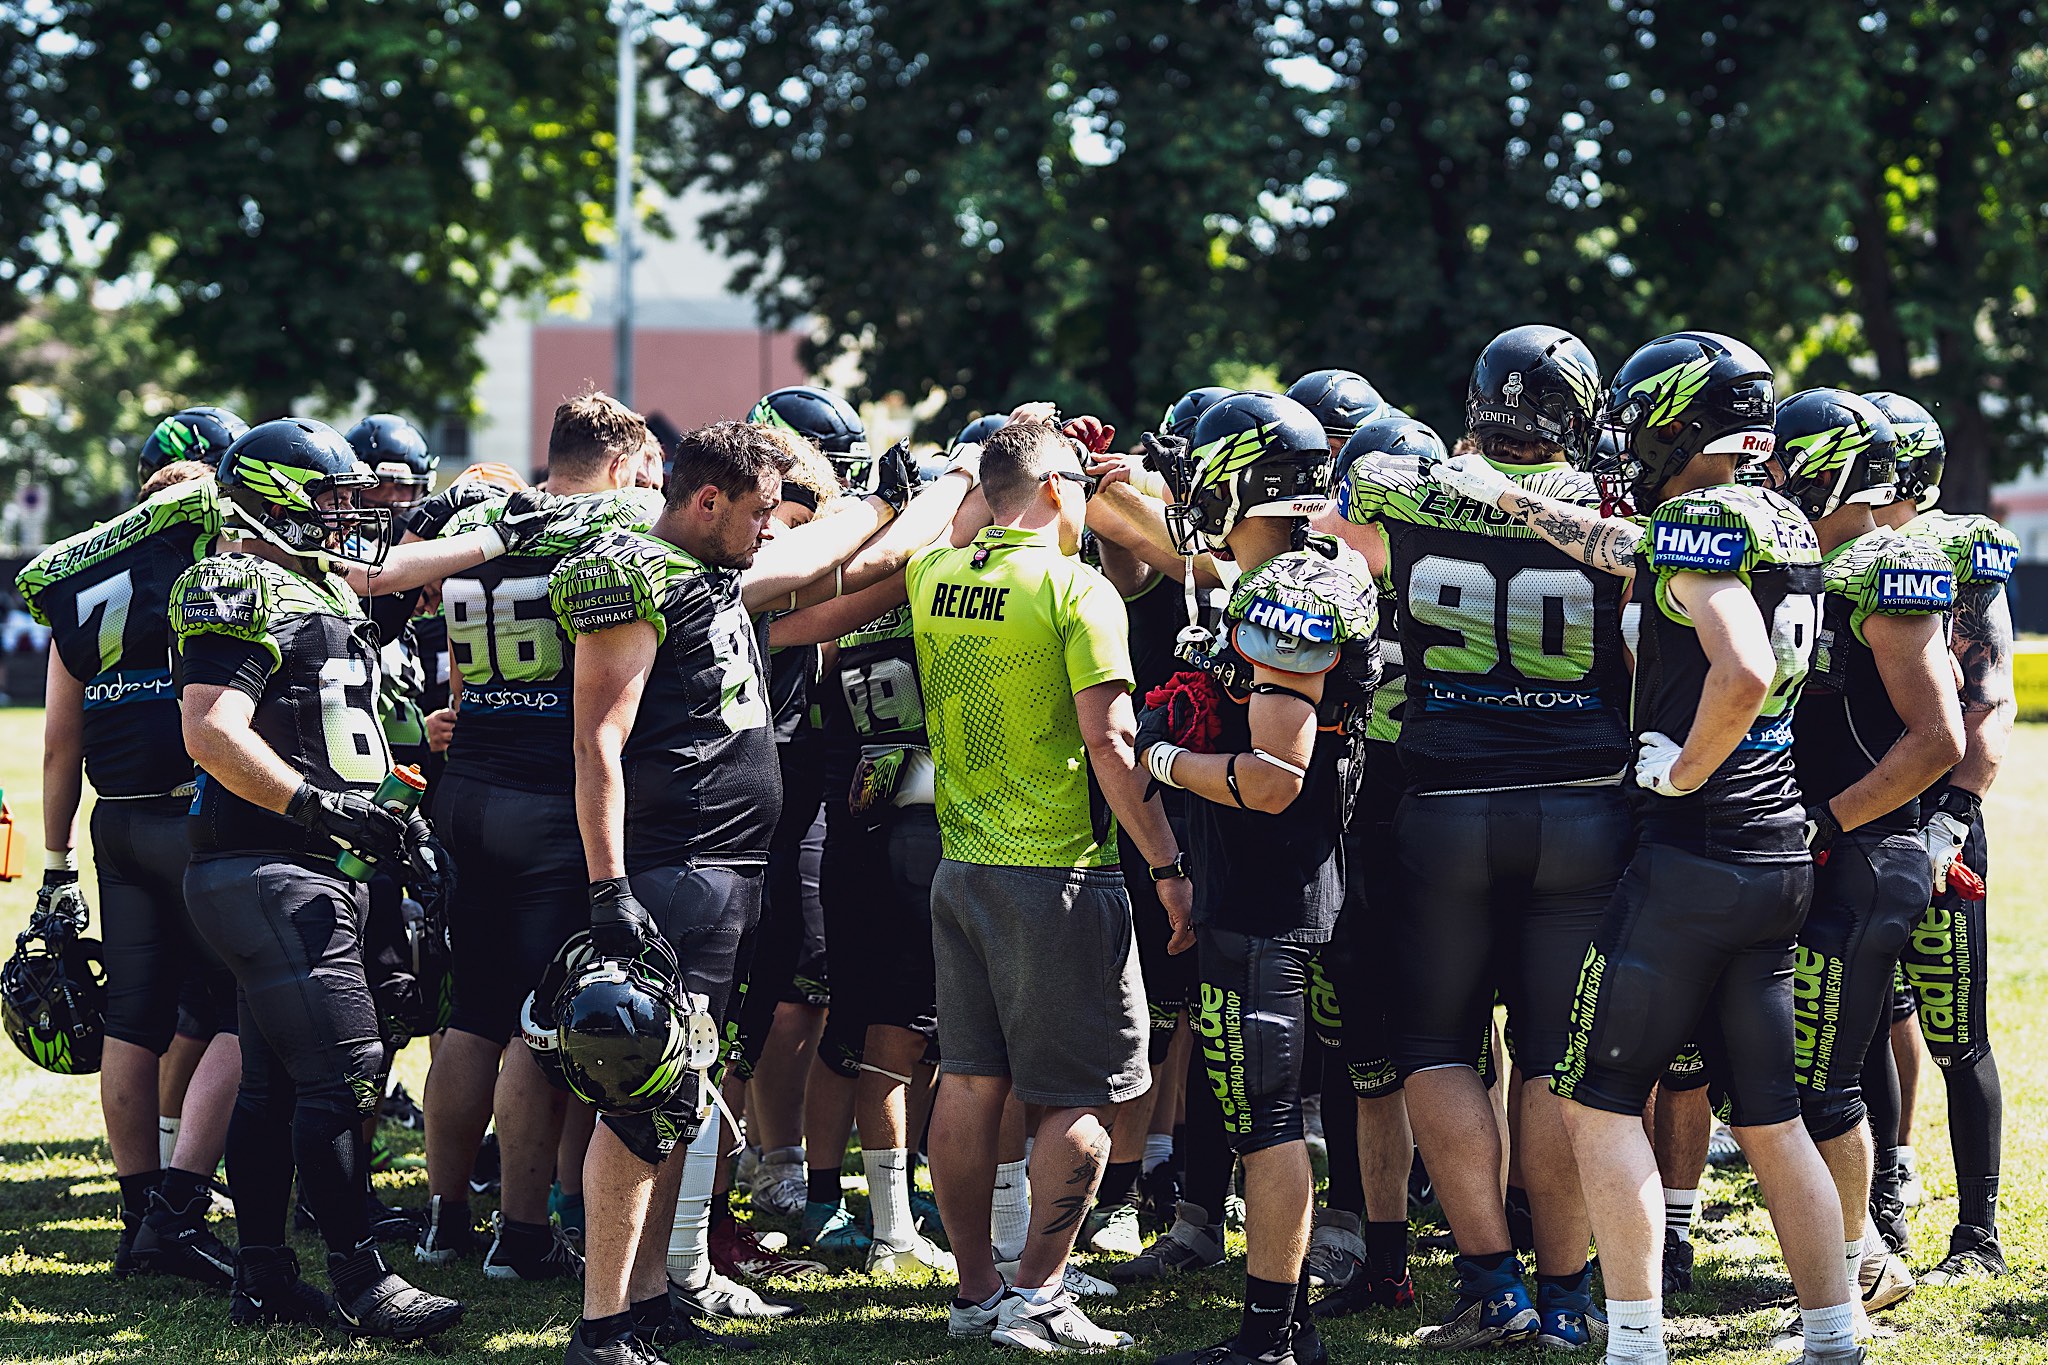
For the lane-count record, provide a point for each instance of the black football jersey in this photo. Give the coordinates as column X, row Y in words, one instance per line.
column 703, row 783
column 302, row 649
column 1750, row 809
column 1845, row 721
column 105, row 595
column 1515, row 672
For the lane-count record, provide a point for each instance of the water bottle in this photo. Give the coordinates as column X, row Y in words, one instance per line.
column 398, row 793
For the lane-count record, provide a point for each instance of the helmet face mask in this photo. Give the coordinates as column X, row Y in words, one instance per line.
column 53, row 995
column 396, row 452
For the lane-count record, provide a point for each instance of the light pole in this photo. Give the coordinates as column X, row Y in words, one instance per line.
column 629, row 102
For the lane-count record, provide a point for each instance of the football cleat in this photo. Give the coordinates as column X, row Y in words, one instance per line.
column 1493, row 1308
column 1973, row 1254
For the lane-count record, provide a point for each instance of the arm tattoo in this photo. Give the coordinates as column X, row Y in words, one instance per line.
column 1983, row 646
column 1605, row 543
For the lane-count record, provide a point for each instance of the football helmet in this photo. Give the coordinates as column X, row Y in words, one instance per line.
column 1342, row 400
column 627, row 1036
column 1833, row 447
column 293, row 483
column 203, row 434
column 1535, row 384
column 53, row 991
column 980, row 429
column 1922, row 451
column 1254, row 455
column 396, row 452
column 828, row 422
column 1682, row 395
column 1398, row 434
column 1186, row 410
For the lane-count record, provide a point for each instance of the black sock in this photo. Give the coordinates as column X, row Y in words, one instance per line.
column 1209, row 1160
column 1179, row 1160
column 1268, row 1325
column 515, row 1237
column 1579, row 1283
column 1119, row 1184
column 648, row 1314
column 136, row 1189
column 598, row 1331
column 1340, row 1130
column 1881, row 1096
column 1492, row 1260
column 333, row 1168
column 721, row 1209
column 1977, row 1202
column 1386, row 1250
column 181, row 1188
column 1307, row 1342
column 824, row 1183
column 355, row 1270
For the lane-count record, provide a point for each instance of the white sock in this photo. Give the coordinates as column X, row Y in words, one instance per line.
column 689, row 1238
column 1158, row 1150
column 166, row 1139
column 889, row 1197
column 1905, row 1161
column 1829, row 1329
column 1039, row 1293
column 1679, row 1208
column 1010, row 1215
column 1635, row 1329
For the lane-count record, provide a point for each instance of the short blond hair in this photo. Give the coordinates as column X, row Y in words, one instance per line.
column 593, row 429
column 808, row 469
column 176, row 472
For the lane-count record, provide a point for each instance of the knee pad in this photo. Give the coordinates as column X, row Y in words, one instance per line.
column 654, row 1137
column 1164, row 1019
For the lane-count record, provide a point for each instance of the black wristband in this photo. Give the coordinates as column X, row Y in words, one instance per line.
column 1963, row 805
column 1171, row 872
column 303, row 800
column 609, row 889
column 60, row 876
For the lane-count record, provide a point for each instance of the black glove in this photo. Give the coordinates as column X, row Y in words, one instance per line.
column 351, row 819
column 433, row 514
column 1822, row 828
column 525, row 519
column 1155, row 726
column 895, row 477
column 1167, row 456
column 619, row 925
column 429, row 872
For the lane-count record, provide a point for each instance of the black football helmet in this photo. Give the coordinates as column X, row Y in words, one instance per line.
column 294, row 483
column 1342, row 400
column 1922, row 449
column 1681, row 395
column 1535, row 384
column 981, row 428
column 624, row 1033
column 1399, row 434
column 53, row 991
column 203, row 434
column 396, row 452
column 828, row 422
column 538, row 1024
column 1254, row 455
column 1186, row 410
column 1833, row 447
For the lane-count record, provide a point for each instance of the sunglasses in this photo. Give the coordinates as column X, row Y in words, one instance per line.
column 1088, row 485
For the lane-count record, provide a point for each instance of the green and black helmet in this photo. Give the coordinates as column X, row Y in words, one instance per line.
column 622, row 1034
column 203, row 434
column 1922, row 449
column 1537, row 384
column 1687, row 394
column 1394, row 434
column 827, row 421
column 1255, row 455
column 295, row 483
column 1342, row 400
column 1833, row 447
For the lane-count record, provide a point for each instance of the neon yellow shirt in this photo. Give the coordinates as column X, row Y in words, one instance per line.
column 1008, row 629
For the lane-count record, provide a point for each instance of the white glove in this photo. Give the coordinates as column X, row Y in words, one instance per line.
column 1653, row 765
column 1472, row 476
column 1942, row 836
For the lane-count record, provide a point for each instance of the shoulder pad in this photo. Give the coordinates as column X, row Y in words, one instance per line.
column 430, row 519
column 231, row 595
column 616, row 577
column 1296, row 611
column 1980, row 550
column 190, row 510
column 893, row 624
column 1380, row 486
column 581, row 516
column 1728, row 529
column 1888, row 574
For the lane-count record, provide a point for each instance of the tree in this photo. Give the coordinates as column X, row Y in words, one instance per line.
column 1001, row 201
column 339, row 197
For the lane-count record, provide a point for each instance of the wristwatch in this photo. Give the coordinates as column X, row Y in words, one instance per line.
column 1173, row 871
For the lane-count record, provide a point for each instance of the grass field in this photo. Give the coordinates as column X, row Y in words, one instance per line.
column 59, row 1302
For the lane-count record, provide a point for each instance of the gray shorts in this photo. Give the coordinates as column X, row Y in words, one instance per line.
column 1038, row 980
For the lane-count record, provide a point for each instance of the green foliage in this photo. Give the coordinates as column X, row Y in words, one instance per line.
column 341, row 195
column 912, row 175
column 91, row 379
